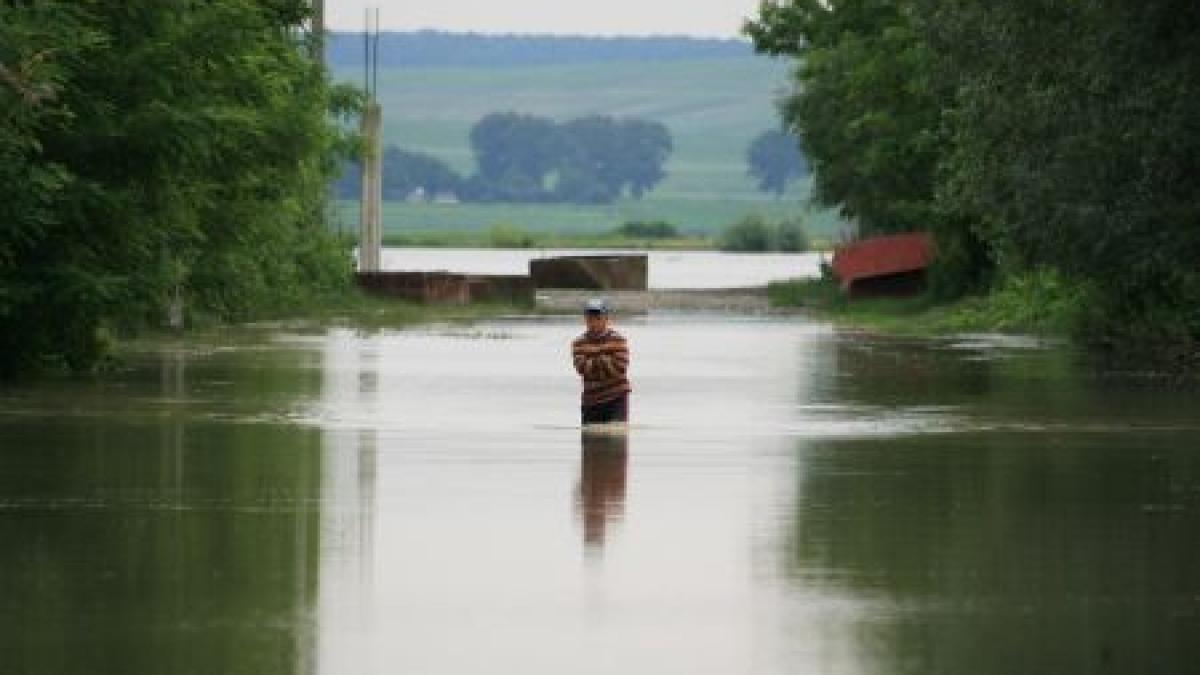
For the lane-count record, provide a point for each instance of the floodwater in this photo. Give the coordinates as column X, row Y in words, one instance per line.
column 668, row 269
column 788, row 499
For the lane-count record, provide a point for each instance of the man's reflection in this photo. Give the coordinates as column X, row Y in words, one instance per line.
column 601, row 496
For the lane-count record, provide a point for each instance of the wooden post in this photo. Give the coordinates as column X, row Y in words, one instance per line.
column 371, row 235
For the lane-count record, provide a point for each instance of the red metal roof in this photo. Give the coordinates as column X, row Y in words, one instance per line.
column 882, row 256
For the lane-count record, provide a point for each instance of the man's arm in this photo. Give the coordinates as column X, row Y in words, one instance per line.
column 612, row 361
column 581, row 357
column 601, row 361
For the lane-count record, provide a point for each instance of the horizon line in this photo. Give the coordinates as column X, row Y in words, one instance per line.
column 737, row 37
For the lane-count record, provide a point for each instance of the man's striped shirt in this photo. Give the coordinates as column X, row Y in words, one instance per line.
column 603, row 361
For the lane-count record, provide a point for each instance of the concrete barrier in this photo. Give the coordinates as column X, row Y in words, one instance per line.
column 592, row 272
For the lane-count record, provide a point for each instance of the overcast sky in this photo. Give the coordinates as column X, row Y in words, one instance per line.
column 708, row 18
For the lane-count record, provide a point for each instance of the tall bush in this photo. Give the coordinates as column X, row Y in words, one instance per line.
column 754, row 234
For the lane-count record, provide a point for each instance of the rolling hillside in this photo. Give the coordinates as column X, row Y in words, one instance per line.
column 713, row 104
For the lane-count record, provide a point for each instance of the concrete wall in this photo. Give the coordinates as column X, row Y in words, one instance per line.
column 610, row 272
column 517, row 290
column 621, row 273
column 447, row 288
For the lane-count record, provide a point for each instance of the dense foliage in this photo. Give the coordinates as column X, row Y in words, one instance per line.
column 155, row 152
column 1028, row 135
column 774, row 160
column 1078, row 144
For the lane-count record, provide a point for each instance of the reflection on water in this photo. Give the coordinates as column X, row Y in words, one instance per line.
column 1053, row 531
column 157, row 543
column 800, row 500
column 601, row 498
column 1006, row 553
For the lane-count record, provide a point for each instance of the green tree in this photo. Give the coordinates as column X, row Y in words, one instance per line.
column 646, row 145
column 774, row 160
column 865, row 107
column 1075, row 137
column 590, row 160
column 603, row 156
column 869, row 107
column 511, row 146
column 1028, row 135
column 591, row 164
column 157, row 150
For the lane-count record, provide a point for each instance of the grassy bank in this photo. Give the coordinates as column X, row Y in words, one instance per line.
column 351, row 308
column 700, row 215
column 512, row 237
column 360, row 309
column 1038, row 304
column 518, row 238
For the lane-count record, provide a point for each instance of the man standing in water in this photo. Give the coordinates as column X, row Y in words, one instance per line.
column 601, row 358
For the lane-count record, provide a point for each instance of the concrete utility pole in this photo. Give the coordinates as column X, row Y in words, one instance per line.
column 371, row 236
column 370, row 241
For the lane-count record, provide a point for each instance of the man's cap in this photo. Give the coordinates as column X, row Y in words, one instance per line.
column 596, row 306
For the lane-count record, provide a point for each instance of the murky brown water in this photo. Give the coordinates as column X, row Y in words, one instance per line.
column 789, row 499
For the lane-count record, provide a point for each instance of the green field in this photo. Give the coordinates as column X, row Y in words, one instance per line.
column 712, row 107
column 692, row 216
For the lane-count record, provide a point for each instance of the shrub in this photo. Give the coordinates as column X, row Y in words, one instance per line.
column 753, row 234
column 750, row 235
column 790, row 237
column 509, row 236
column 653, row 229
column 1039, row 301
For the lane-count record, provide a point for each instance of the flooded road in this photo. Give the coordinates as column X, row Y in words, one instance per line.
column 790, row 498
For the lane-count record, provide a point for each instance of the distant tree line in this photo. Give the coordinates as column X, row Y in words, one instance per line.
column 153, row 153
column 1027, row 135
column 529, row 159
column 436, row 48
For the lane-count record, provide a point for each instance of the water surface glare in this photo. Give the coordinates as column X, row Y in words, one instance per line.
column 789, row 498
